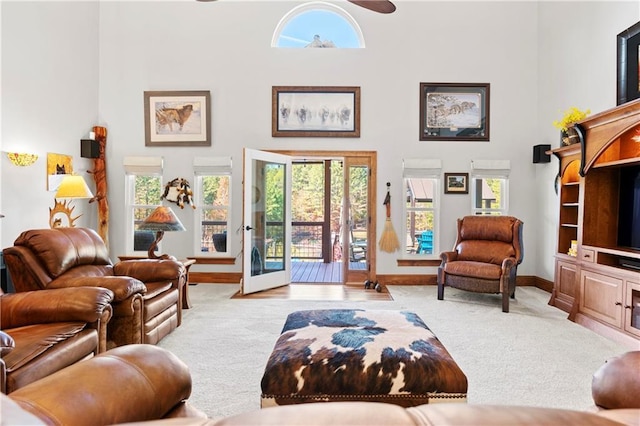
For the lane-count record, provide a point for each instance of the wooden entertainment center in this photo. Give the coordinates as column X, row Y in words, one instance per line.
column 598, row 283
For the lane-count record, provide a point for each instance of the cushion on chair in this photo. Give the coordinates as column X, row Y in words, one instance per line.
column 33, row 340
column 475, row 228
column 485, row 251
column 61, row 249
column 487, row 271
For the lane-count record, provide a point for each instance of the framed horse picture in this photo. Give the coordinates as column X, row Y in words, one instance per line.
column 330, row 112
column 177, row 118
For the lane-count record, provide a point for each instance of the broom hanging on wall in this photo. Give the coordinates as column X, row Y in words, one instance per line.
column 389, row 240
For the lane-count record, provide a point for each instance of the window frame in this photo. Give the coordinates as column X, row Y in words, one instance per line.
column 430, row 169
column 309, row 7
column 490, row 169
column 133, row 167
column 203, row 167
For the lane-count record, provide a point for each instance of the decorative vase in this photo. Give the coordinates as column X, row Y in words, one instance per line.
column 569, row 137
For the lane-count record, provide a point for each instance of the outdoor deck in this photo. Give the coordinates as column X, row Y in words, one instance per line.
column 319, row 272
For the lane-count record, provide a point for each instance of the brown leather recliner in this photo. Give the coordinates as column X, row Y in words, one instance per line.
column 486, row 256
column 46, row 331
column 147, row 292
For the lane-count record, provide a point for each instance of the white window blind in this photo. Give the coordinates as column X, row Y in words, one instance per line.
column 212, row 165
column 425, row 167
column 143, row 165
column 500, row 168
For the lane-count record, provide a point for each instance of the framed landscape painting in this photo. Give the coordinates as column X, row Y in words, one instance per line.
column 454, row 111
column 298, row 111
column 177, row 118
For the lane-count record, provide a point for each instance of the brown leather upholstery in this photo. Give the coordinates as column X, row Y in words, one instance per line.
column 616, row 384
column 46, row 331
column 146, row 292
column 486, row 256
column 147, row 382
column 125, row 384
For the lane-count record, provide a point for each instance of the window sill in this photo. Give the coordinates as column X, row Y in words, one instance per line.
column 418, row 262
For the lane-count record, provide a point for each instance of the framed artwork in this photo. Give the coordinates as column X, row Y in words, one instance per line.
column 58, row 165
column 332, row 112
column 178, row 118
column 454, row 111
column 456, row 183
column 628, row 60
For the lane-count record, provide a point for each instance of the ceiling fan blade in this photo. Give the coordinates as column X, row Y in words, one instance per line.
column 380, row 6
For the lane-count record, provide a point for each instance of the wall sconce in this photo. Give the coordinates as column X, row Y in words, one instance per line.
column 160, row 220
column 72, row 186
column 22, row 158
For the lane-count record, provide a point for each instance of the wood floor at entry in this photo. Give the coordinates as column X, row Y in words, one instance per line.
column 316, row 292
column 320, row 272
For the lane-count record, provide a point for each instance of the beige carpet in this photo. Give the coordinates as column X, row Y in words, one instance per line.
column 531, row 356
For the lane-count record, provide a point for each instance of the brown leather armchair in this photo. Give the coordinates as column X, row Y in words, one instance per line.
column 146, row 302
column 46, row 331
column 486, row 256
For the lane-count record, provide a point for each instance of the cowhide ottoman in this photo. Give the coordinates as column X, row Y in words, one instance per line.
column 360, row 355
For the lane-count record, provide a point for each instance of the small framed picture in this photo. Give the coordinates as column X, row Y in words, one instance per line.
column 454, row 111
column 332, row 112
column 456, row 183
column 177, row 118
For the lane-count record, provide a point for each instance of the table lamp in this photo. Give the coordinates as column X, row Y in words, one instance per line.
column 160, row 220
column 71, row 186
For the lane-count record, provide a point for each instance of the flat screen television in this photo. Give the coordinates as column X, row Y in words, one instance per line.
column 629, row 207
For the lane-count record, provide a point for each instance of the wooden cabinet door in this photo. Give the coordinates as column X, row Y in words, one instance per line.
column 601, row 297
column 632, row 308
column 565, row 285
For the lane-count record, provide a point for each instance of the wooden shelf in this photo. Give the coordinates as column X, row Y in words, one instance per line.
column 597, row 286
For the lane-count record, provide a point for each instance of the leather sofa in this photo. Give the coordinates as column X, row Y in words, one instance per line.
column 46, row 331
column 130, row 383
column 147, row 292
column 147, row 385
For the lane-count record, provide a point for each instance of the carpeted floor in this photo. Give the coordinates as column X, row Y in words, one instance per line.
column 531, row 356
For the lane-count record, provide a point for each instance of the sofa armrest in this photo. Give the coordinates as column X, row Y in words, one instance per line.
column 130, row 383
column 6, row 343
column 122, row 287
column 508, row 263
column 448, row 256
column 616, row 384
column 151, row 270
column 85, row 304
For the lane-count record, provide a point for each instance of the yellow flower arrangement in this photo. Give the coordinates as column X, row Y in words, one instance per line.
column 572, row 115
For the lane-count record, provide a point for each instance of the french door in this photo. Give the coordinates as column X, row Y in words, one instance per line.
column 267, row 221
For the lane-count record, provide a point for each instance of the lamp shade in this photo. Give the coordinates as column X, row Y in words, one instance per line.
column 162, row 219
column 73, row 186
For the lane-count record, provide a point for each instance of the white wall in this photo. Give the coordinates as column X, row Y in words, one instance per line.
column 578, row 55
column 49, row 102
column 224, row 47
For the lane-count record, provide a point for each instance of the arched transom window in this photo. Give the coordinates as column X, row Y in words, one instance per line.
column 317, row 24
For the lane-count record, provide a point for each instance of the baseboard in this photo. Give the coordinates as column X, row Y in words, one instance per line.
column 215, row 277
column 423, row 279
column 385, row 279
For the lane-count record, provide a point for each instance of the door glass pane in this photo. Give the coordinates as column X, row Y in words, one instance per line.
column 268, row 217
column 358, row 216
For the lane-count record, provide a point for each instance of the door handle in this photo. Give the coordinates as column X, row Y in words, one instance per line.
column 248, row 228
